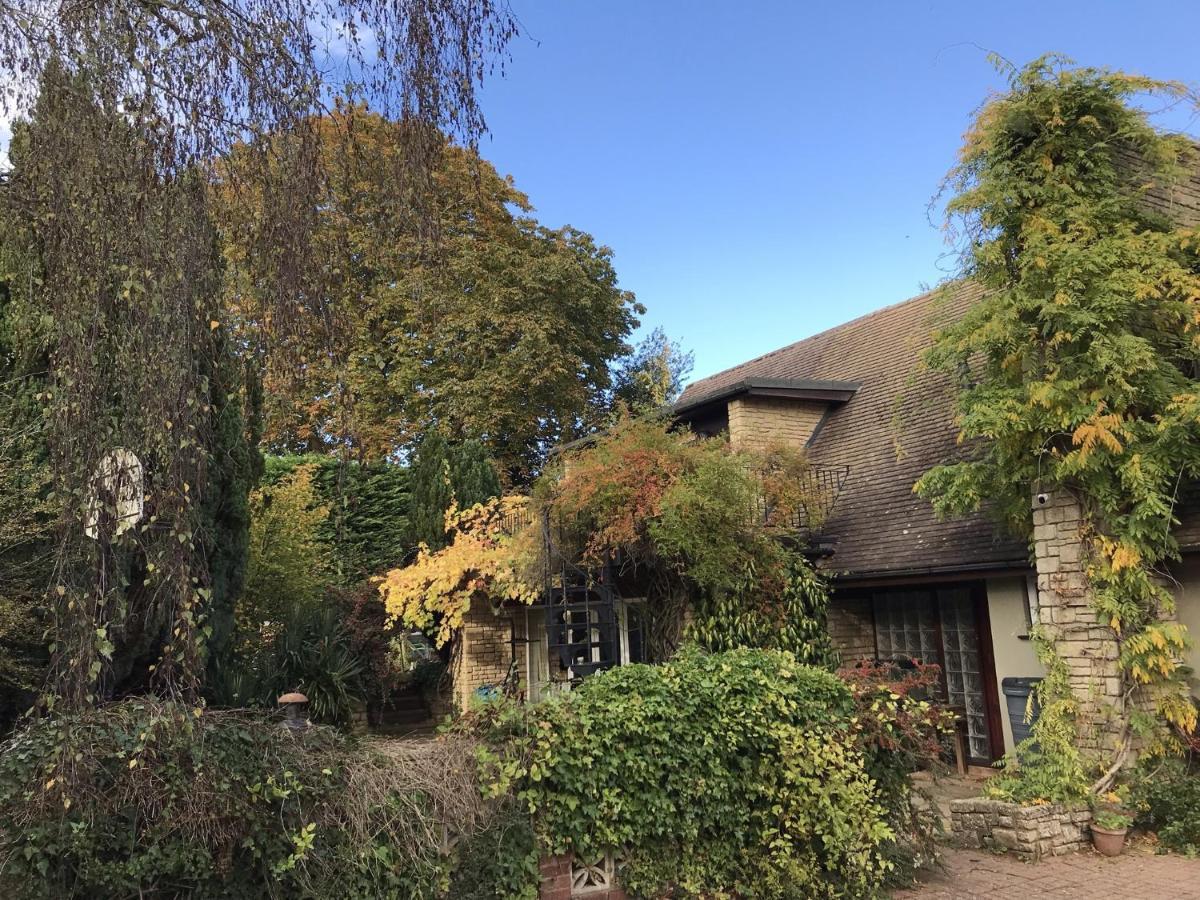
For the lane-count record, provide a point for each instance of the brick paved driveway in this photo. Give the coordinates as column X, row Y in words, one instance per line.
column 1135, row 875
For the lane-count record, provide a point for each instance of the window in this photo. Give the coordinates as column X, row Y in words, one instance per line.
column 939, row 626
column 633, row 631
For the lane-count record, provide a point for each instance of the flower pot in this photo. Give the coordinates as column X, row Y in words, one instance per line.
column 1109, row 841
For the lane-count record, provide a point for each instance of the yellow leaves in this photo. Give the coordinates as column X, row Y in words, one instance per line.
column 1100, row 430
column 1125, row 557
column 1040, row 393
column 482, row 562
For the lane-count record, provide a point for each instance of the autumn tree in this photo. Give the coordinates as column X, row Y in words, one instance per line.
column 1078, row 368
column 499, row 328
column 132, row 104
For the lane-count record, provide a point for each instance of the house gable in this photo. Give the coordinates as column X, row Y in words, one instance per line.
column 896, row 424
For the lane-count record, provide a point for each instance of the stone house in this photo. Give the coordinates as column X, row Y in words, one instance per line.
column 906, row 584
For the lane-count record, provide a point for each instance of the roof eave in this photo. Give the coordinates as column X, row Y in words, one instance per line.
column 788, row 388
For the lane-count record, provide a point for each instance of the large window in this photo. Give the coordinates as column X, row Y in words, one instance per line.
column 941, row 625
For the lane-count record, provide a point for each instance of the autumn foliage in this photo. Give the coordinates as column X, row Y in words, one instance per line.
column 480, row 564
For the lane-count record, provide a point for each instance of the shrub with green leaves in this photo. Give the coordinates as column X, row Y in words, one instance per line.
column 367, row 528
column 150, row 799
column 1166, row 795
column 717, row 775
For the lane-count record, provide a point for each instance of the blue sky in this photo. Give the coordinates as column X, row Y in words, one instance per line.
column 763, row 170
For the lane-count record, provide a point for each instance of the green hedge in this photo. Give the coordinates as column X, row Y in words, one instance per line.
column 733, row 774
column 1166, row 795
column 368, row 529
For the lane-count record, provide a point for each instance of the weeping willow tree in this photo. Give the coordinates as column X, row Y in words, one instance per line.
column 132, row 104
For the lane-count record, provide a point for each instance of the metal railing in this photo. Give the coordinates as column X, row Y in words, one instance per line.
column 819, row 489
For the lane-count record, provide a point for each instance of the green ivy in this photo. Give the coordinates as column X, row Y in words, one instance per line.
column 723, row 775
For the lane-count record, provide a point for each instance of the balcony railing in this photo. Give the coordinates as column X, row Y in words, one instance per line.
column 820, row 486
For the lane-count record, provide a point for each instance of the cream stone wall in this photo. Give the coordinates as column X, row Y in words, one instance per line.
column 1187, row 610
column 1013, row 652
column 757, row 422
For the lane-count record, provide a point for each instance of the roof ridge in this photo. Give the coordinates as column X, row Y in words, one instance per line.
column 862, row 318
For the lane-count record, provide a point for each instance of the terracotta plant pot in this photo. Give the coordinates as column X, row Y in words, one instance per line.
column 1109, row 841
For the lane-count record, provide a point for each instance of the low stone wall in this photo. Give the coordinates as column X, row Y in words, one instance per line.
column 1030, row 831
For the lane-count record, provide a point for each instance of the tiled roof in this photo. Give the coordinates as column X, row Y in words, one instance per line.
column 898, row 425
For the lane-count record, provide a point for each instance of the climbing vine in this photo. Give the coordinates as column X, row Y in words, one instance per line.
column 1078, row 368
column 482, row 563
column 696, row 523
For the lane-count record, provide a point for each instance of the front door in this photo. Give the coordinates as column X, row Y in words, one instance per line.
column 947, row 626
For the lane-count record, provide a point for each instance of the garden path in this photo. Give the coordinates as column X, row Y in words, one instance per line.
column 1138, row 874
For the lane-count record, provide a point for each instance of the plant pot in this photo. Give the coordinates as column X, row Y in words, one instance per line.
column 1109, row 841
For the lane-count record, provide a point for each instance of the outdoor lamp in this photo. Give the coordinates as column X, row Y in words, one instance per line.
column 294, row 706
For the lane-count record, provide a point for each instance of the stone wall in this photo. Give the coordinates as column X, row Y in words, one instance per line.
column 1032, row 832
column 852, row 627
column 482, row 653
column 757, row 422
column 1065, row 612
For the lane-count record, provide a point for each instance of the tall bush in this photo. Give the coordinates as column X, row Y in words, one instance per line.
column 444, row 475
column 731, row 774
column 368, row 528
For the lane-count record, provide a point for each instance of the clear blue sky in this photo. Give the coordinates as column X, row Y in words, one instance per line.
column 763, row 170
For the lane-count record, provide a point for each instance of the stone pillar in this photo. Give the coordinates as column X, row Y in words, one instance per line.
column 482, row 653
column 1088, row 648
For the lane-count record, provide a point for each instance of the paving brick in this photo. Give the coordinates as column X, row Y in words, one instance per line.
column 1135, row 875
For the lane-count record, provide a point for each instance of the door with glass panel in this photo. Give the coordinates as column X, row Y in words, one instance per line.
column 941, row 626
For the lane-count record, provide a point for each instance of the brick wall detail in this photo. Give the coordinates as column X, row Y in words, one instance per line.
column 557, row 882
column 757, row 422
column 852, row 627
column 1031, row 832
column 482, row 654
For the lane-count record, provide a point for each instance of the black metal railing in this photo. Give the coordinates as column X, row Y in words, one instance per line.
column 818, row 491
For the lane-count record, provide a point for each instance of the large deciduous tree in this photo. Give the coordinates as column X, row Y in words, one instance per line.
column 131, row 102
column 492, row 327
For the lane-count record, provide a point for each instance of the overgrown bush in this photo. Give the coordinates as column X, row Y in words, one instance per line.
column 900, row 729
column 144, row 799
column 1166, row 795
column 733, row 774
column 308, row 650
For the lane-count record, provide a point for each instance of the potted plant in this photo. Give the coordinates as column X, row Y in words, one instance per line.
column 1109, row 827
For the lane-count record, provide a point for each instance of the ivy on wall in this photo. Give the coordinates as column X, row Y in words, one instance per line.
column 674, row 512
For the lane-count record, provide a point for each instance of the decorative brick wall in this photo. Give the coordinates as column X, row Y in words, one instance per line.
column 482, row 654
column 757, row 422
column 1088, row 648
column 852, row 627
column 1032, row 832
column 564, row 878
